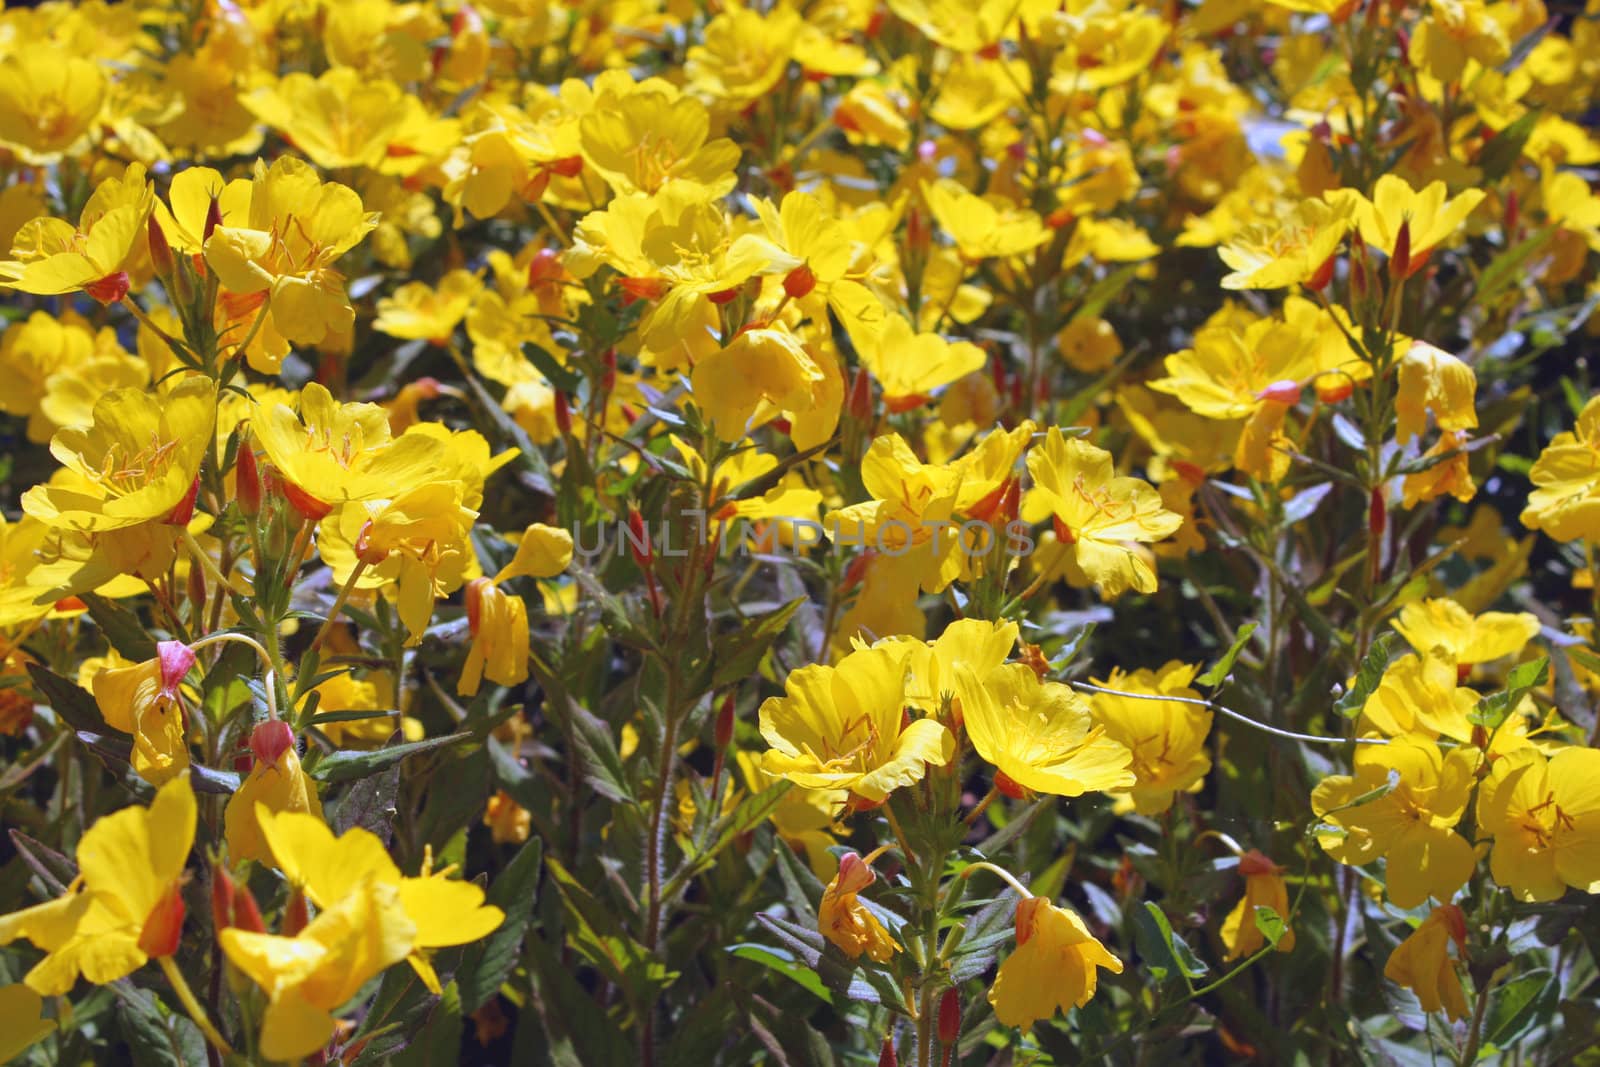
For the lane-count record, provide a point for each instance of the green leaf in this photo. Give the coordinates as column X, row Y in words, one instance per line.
column 562, row 378
column 1519, row 1004
column 750, row 645
column 70, row 701
column 1502, row 151
column 1368, row 675
column 785, row 964
column 1504, row 270
column 488, row 963
column 1586, row 657
column 156, row 1036
column 1493, row 709
column 439, row 1041
column 1271, row 924
column 1218, row 671
column 1164, row 951
column 345, row 766
column 121, row 626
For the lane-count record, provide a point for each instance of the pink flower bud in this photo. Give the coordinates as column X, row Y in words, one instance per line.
column 176, row 660
column 270, row 740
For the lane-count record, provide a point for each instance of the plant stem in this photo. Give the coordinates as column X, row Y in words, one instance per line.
column 192, row 1006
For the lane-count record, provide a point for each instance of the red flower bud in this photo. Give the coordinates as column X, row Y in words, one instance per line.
column 1456, row 922
column 563, row 414
column 859, row 403
column 799, row 282
column 308, row 506
column 1513, row 214
column 163, row 927
column 1009, row 787
column 1323, row 275
column 160, row 251
column 608, row 375
column 232, row 905
column 296, row 916
column 213, row 218
column 886, row 1057
column 544, row 268
column 643, row 288
column 1285, row 392
column 723, row 296
column 110, row 289
column 723, row 734
column 949, row 1017
column 1377, row 514
column 247, row 480
column 1334, row 388
column 918, row 236
column 270, row 740
column 1255, row 862
column 176, row 659
column 639, row 539
column 1400, row 261
column 568, row 166
column 1064, row 533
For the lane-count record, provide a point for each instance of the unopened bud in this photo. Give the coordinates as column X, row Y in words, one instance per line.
column 1009, row 787
column 723, row 734
column 949, row 1017
column 296, row 916
column 247, row 480
column 860, row 402
column 1400, row 261
column 567, row 166
column 608, row 370
column 563, row 414
column 196, row 588
column 213, row 218
column 799, row 282
column 307, row 506
column 1377, row 515
column 183, row 510
column 544, row 268
column 886, row 1056
column 270, row 740
column 1323, row 275
column 918, row 236
column 163, row 927
column 110, row 289
column 232, row 905
column 639, row 539
column 1513, row 215
column 1255, row 862
column 160, row 251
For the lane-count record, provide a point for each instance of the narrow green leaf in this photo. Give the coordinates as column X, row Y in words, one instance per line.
column 1494, row 709
column 783, row 963
column 1271, row 924
column 490, row 962
column 1166, row 952
column 1218, row 671
column 121, row 626
column 345, row 766
column 1368, row 675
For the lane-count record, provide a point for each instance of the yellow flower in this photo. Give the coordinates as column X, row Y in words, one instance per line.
column 331, row 452
column 1166, row 737
column 542, row 552
column 508, row 821
column 910, row 366
column 338, row 120
column 1430, row 214
column 1566, row 501
column 1433, row 380
column 344, row 692
column 144, row 700
column 1455, row 31
column 650, row 135
column 763, row 365
column 1544, row 815
column 845, row 921
column 1089, row 344
column 418, row 311
column 137, row 460
column 1263, row 888
column 277, row 783
column 1468, row 638
column 1419, row 695
column 125, row 905
column 1412, row 825
column 43, row 354
column 1056, row 965
column 297, row 226
column 21, row 1021
column 310, row 976
column 498, row 623
column 1297, row 252
column 804, row 818
column 1450, row 473
column 51, row 256
column 742, row 54
column 1422, row 964
column 443, row 911
column 1039, row 736
column 983, row 228
column 841, row 728
column 1097, row 511
column 49, row 99
column 910, row 499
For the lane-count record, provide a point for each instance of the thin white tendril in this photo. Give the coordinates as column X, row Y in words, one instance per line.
column 270, row 682
column 1212, row 705
column 1003, row 874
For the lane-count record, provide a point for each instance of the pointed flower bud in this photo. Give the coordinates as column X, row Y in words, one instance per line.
column 724, row 728
column 160, row 250
column 213, row 218
column 799, row 282
column 163, row 927
column 270, row 740
column 859, row 403
column 176, row 660
column 247, row 480
column 1400, row 261
column 949, row 1017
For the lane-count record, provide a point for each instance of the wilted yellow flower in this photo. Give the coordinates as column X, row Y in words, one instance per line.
column 1055, row 966
column 498, row 623
column 1422, row 963
column 125, row 905
column 276, row 782
column 845, row 921
column 144, row 700
column 1263, row 888
column 1096, row 512
column 841, row 727
column 1166, row 737
column 1433, row 380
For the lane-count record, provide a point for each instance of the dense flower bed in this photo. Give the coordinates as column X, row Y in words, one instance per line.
column 900, row 531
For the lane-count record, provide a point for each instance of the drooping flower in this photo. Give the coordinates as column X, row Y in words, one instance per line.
column 845, row 921
column 1055, row 966
column 1433, row 380
column 276, row 782
column 144, row 700
column 1263, row 888
column 1422, row 962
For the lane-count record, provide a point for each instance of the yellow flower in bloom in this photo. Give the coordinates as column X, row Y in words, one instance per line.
column 1565, row 502
column 419, row 311
column 330, row 452
column 1430, row 214
column 137, row 460
column 1412, row 825
column 344, row 692
column 845, row 921
column 1089, row 344
column 841, row 727
column 144, row 700
column 1544, row 815
column 1166, row 737
column 1454, row 32
column 508, row 821
column 959, row 26
column 642, row 139
column 1039, row 736
column 1419, row 694
column 1263, row 888
column 1097, row 511
column 1056, row 965
column 37, row 350
column 310, row 976
column 443, row 911
column 498, row 623
column 49, row 99
column 1433, row 380
column 1422, row 962
column 743, row 54
column 338, row 120
column 804, row 818
column 931, row 667
column 910, row 366
column 277, row 783
column 1299, row 251
column 51, row 256
column 125, row 905
column 1468, row 638
column 21, row 1021
column 983, row 228
column 909, row 501
column 768, row 365
column 296, row 228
